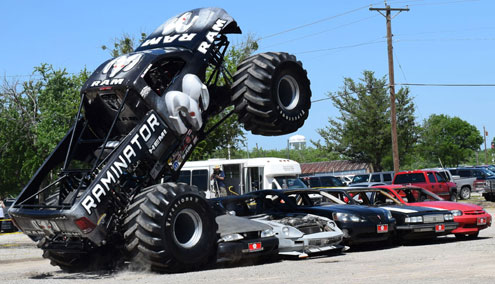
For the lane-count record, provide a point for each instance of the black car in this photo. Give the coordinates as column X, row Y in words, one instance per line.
column 241, row 239
column 412, row 222
column 358, row 223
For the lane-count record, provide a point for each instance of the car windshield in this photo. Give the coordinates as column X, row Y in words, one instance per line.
column 488, row 173
column 360, row 178
column 412, row 195
column 331, row 181
column 290, row 182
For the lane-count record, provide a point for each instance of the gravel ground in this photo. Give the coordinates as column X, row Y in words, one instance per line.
column 443, row 260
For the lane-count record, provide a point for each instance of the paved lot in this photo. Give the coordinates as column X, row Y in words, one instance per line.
column 444, row 260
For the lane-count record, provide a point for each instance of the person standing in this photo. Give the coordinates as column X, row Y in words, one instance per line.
column 219, row 176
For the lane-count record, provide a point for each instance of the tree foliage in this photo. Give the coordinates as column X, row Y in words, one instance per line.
column 450, row 139
column 34, row 117
column 362, row 132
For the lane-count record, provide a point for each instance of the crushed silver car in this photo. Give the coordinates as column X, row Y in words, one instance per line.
column 301, row 235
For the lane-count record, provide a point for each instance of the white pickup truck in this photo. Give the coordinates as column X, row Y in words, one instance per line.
column 464, row 185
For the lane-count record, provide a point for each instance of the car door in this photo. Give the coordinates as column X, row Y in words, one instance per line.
column 443, row 187
column 433, row 185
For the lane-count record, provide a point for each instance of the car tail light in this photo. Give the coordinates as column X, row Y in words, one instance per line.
column 85, row 225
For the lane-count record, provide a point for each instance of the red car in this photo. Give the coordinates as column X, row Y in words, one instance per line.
column 471, row 218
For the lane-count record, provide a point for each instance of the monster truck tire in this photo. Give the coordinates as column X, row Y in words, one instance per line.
column 102, row 258
column 271, row 93
column 176, row 229
column 465, row 193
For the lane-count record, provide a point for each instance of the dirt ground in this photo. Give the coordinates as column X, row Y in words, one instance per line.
column 444, row 260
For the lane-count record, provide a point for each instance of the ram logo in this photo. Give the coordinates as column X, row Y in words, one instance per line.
column 122, row 63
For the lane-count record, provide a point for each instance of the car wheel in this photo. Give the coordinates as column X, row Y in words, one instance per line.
column 465, row 193
column 271, row 93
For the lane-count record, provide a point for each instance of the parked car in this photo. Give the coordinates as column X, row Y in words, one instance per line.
column 412, row 222
column 241, row 238
column 384, row 177
column 464, row 184
column 299, row 234
column 359, row 224
column 481, row 175
column 471, row 218
column 323, row 181
column 430, row 180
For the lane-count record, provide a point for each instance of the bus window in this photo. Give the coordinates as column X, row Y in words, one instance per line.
column 185, row 177
column 200, row 179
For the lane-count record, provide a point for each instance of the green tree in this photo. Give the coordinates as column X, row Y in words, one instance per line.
column 124, row 44
column 450, row 139
column 362, row 131
column 34, row 117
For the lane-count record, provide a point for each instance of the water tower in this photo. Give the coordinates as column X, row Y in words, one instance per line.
column 297, row 142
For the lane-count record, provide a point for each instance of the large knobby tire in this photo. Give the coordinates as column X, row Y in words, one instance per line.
column 465, row 193
column 176, row 229
column 271, row 93
column 98, row 259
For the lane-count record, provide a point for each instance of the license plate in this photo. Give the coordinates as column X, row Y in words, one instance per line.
column 255, row 247
column 440, row 228
column 481, row 221
column 382, row 228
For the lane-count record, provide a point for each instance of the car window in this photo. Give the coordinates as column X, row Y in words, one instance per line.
column 375, row 178
column 464, row 173
column 440, row 178
column 290, row 183
column 409, row 178
column 331, row 181
column 431, row 178
column 360, row 178
column 387, row 177
column 314, row 182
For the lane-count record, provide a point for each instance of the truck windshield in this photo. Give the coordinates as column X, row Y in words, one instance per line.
column 290, row 182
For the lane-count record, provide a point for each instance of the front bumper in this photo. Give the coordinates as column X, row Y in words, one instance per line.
column 364, row 232
column 471, row 224
column 243, row 249
column 421, row 231
column 310, row 244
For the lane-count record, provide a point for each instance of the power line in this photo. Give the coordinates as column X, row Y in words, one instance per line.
column 341, row 47
column 321, row 32
column 444, row 85
column 314, row 23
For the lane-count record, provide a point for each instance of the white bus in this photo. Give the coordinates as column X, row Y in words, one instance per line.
column 244, row 175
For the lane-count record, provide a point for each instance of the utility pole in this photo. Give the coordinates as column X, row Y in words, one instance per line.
column 484, row 138
column 393, row 116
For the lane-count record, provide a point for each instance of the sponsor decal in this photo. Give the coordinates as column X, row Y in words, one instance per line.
column 170, row 214
column 168, row 39
column 210, row 37
column 183, row 150
column 111, row 174
column 122, row 63
column 113, row 82
column 180, row 24
column 292, row 117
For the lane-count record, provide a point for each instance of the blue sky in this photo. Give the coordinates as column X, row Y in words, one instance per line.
column 438, row 41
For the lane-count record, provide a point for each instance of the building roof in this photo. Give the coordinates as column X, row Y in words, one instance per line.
column 333, row 167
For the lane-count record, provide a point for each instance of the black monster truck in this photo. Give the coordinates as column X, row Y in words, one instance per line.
column 96, row 201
